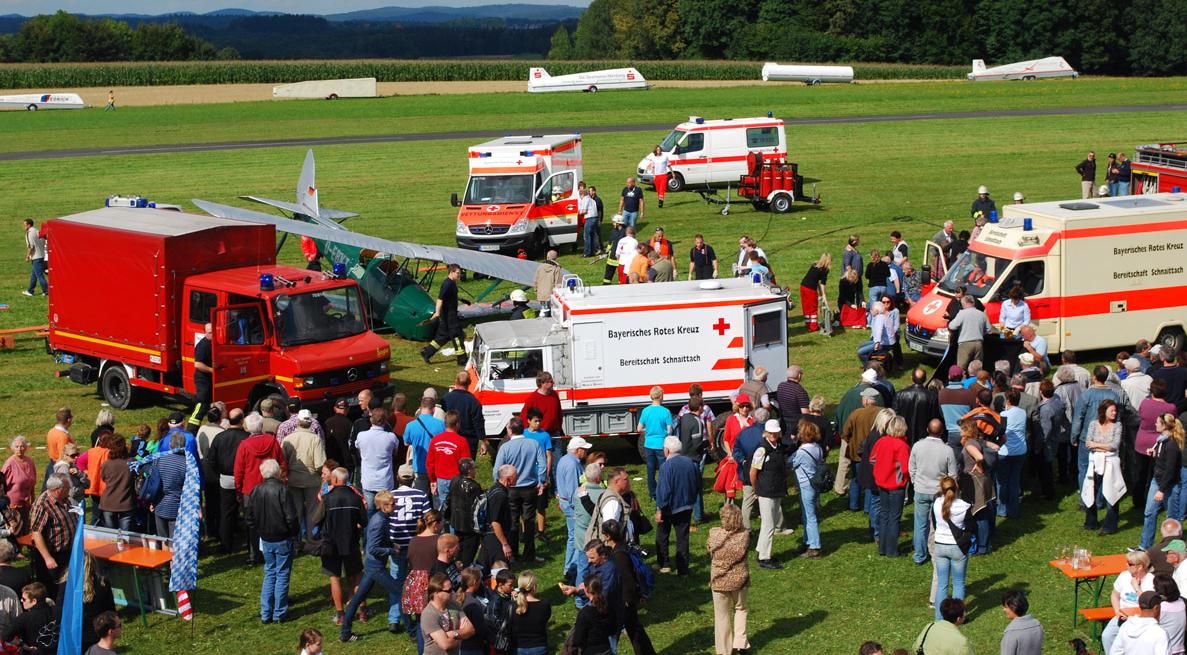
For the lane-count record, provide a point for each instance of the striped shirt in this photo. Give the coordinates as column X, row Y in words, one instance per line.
column 410, row 505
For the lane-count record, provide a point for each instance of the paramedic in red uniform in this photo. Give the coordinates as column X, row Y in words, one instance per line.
column 812, row 289
column 659, row 164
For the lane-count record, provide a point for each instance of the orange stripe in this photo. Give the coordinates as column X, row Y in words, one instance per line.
column 725, row 364
column 735, row 343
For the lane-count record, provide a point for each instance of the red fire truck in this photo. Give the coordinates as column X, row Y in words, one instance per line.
column 132, row 290
column 1159, row 168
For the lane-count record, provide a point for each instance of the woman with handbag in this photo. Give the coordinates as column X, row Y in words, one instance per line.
column 808, row 464
column 977, row 488
column 951, row 557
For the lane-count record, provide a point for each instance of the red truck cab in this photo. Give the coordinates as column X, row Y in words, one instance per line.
column 134, row 288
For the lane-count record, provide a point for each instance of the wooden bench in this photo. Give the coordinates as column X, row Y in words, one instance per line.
column 1095, row 615
column 8, row 337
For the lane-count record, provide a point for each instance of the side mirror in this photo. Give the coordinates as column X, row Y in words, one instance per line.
column 220, row 331
column 541, row 200
column 675, row 150
column 453, row 200
column 925, row 270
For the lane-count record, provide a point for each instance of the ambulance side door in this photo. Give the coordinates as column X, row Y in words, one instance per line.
column 588, row 355
column 556, row 206
column 690, row 158
column 766, row 340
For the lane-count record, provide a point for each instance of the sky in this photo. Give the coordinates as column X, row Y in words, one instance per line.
column 32, row 7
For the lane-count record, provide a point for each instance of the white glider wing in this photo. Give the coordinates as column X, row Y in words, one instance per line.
column 519, row 271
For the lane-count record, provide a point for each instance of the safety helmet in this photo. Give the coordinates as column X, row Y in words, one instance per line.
column 617, row 220
column 1018, row 196
column 1103, row 190
column 982, row 189
column 519, row 296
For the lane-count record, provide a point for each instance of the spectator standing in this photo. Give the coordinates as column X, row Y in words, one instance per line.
column 443, row 625
column 918, row 405
column 806, row 460
column 35, row 255
column 344, row 518
column 271, row 513
column 338, row 433
column 471, row 424
column 655, row 422
column 891, row 459
column 422, row 555
column 1167, row 453
column 172, row 466
column 949, row 518
column 220, row 469
column 593, row 223
column 496, row 538
column 1086, row 169
column 1136, row 384
column 377, row 450
column 1012, row 456
column 1053, row 425
column 729, row 580
column 119, row 494
column 1024, row 634
column 1112, row 173
column 699, row 422
column 793, row 399
column 446, row 451
column 768, row 477
column 1087, row 411
column 568, row 478
column 702, row 260
column 944, row 635
column 615, row 535
column 305, row 453
column 409, row 504
column 52, row 524
column 379, row 550
column 898, row 248
column 971, row 325
column 418, row 436
column 876, row 274
column 1124, row 174
column 930, row 461
column 527, row 458
column 459, row 508
column 288, row 425
column 1175, row 376
column 596, row 622
column 675, row 495
column 530, row 622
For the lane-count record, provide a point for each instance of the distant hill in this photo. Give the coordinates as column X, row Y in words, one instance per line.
column 510, row 12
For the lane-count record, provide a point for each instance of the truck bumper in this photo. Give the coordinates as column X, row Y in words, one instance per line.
column 503, row 245
column 324, row 402
column 645, row 178
column 933, row 347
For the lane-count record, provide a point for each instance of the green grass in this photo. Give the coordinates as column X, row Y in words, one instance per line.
column 25, row 131
column 873, row 178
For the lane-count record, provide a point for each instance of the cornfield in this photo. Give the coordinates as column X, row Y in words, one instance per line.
column 47, row 76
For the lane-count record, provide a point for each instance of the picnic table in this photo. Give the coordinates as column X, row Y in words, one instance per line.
column 1093, row 577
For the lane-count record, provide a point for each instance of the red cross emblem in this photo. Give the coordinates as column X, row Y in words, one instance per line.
column 721, row 326
column 518, row 162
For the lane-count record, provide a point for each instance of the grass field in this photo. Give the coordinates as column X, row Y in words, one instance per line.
column 873, row 177
column 24, row 131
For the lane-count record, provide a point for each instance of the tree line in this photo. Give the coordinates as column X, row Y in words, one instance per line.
column 1138, row 37
column 64, row 37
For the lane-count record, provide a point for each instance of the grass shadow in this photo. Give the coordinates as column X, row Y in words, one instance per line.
column 785, row 628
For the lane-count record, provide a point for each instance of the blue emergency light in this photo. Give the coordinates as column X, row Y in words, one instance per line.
column 993, row 216
column 770, row 114
column 339, row 269
column 700, row 121
column 572, row 284
column 527, row 153
column 484, row 154
column 266, row 282
column 1175, row 189
column 1027, row 224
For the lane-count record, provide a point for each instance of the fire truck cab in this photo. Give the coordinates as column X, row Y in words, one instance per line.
column 1159, row 168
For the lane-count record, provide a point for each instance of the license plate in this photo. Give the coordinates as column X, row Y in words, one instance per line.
column 489, row 248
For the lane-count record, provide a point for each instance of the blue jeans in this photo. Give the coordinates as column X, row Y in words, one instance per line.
column 1178, row 502
column 1082, row 454
column 399, row 572
column 1008, row 473
column 278, row 566
column 592, row 236
column 37, row 276
column 1113, row 188
column 949, row 563
column 872, row 503
column 442, row 493
column 538, row 650
column 923, row 504
column 854, row 490
column 372, row 575
column 1150, row 522
column 890, row 515
column 984, row 523
column 866, row 349
column 1123, row 188
column 655, row 457
column 630, row 219
column 698, row 507
column 875, row 293
column 570, row 540
column 582, row 564
column 811, row 526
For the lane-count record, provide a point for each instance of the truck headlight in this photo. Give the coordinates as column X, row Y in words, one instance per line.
column 383, row 367
column 519, row 227
column 462, row 230
column 942, row 333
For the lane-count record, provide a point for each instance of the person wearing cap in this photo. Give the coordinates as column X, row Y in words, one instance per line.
column 1141, row 634
column 338, row 432
column 549, row 276
column 617, row 232
column 1019, row 198
column 675, row 495
column 768, row 477
column 409, row 505
column 269, row 408
column 519, row 306
column 983, row 204
column 305, row 453
column 289, row 424
column 1174, row 552
column 1128, row 588
column 178, row 426
column 568, row 478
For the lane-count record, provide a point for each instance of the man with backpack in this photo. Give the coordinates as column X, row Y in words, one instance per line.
column 675, row 495
column 568, row 478
column 460, row 507
column 694, row 424
column 635, row 579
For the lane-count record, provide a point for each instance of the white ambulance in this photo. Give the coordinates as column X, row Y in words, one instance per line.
column 606, row 346
column 521, row 195
column 1096, row 273
column 712, row 152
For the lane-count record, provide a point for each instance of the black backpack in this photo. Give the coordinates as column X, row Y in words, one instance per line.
column 691, row 430
column 464, row 494
column 497, row 616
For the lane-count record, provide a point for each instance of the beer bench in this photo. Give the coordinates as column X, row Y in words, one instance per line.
column 8, row 337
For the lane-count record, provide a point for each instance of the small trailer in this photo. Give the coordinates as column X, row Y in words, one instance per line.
column 770, row 183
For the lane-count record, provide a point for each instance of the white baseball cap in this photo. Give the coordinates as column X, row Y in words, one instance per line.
column 1018, row 196
column 578, row 442
column 1026, row 359
column 869, row 376
column 304, row 415
column 772, row 426
column 982, row 189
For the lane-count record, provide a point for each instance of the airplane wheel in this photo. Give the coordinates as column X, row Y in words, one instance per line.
column 725, row 211
column 593, row 89
column 32, row 107
column 333, row 96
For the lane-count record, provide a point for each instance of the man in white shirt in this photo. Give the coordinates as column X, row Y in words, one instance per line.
column 1136, row 383
column 35, row 255
column 626, row 252
column 1141, row 634
column 376, row 448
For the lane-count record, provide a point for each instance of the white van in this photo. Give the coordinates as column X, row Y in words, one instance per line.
column 714, row 152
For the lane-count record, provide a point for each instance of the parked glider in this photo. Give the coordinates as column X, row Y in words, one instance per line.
column 1023, row 70
column 539, row 81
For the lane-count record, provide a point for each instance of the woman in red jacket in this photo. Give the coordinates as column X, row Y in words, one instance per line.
column 890, row 459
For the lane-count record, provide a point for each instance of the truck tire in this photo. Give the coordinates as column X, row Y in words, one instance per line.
column 539, row 246
column 675, row 183
column 781, row 203
column 261, row 392
column 1172, row 338
column 640, row 445
column 115, row 388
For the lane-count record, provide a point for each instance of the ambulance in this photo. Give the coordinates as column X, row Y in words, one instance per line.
column 522, row 194
column 1096, row 273
column 607, row 346
column 709, row 152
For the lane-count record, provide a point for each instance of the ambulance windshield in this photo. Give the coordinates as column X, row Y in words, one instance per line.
column 975, row 270
column 499, row 189
column 671, row 140
column 317, row 316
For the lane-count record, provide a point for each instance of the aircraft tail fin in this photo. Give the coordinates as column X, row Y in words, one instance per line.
column 978, row 65
column 307, row 188
column 538, row 74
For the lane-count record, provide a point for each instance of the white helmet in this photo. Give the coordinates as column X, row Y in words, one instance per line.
column 1103, row 191
column 982, row 189
column 519, row 296
column 1018, row 196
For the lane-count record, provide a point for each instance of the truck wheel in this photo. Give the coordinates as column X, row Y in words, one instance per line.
column 781, row 203
column 640, row 444
column 539, row 244
column 675, row 183
column 1172, row 338
column 1028, row 78
column 592, row 89
column 333, row 96
column 32, row 107
column 115, row 388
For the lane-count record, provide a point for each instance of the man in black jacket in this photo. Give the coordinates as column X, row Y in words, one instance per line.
column 918, row 405
column 464, row 493
column 1087, row 171
column 472, row 426
column 339, row 430
column 270, row 512
column 220, row 467
column 344, row 518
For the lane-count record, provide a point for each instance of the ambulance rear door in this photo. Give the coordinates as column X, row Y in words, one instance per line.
column 766, row 339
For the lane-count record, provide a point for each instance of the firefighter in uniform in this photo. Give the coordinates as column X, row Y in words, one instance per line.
column 449, row 325
column 203, row 378
column 618, row 231
column 519, row 306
